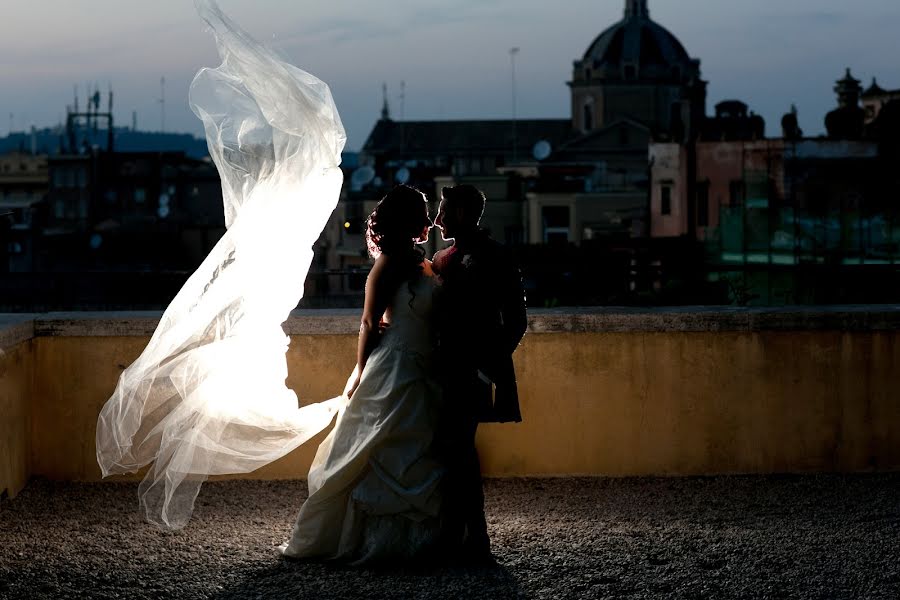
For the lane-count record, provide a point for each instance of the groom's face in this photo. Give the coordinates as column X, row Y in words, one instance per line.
column 447, row 220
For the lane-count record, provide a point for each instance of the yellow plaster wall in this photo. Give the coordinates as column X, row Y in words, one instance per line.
column 16, row 371
column 594, row 403
column 81, row 374
column 701, row 403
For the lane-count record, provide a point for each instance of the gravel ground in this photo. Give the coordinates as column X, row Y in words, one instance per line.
column 721, row 537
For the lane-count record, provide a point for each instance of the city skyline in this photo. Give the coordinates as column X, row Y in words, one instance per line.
column 454, row 59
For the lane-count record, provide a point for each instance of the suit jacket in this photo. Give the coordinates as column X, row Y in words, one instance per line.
column 481, row 319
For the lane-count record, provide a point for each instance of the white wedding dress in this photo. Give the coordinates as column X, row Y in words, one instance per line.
column 207, row 396
column 374, row 484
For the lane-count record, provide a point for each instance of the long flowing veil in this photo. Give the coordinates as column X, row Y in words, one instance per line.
column 208, row 395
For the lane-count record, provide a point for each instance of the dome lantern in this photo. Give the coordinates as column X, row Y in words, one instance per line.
column 636, row 8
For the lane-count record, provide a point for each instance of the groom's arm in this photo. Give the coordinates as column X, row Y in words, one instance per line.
column 512, row 303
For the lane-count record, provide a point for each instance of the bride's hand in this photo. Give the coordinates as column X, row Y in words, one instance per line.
column 353, row 387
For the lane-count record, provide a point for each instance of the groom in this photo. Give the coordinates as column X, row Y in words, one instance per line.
column 481, row 319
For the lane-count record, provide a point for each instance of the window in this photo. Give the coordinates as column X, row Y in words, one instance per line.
column 736, row 193
column 556, row 224
column 703, row 204
column 140, row 195
column 356, row 279
column 624, row 138
column 587, row 73
column 587, row 115
column 630, row 72
column 665, row 204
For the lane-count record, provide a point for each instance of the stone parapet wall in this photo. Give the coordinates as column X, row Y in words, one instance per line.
column 618, row 392
column 16, row 396
column 558, row 320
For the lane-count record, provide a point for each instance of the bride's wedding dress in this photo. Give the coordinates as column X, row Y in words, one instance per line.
column 374, row 484
column 207, row 396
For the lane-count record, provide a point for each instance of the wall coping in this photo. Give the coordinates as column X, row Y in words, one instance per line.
column 17, row 328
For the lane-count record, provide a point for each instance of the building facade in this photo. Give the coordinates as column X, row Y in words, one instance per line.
column 789, row 219
column 24, row 181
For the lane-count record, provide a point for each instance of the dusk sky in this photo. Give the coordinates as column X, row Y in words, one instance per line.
column 453, row 55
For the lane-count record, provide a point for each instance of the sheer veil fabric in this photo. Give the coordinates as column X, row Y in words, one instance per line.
column 208, row 396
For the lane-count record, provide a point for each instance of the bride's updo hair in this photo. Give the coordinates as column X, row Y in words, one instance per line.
column 396, row 225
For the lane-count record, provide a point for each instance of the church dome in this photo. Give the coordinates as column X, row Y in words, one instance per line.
column 638, row 44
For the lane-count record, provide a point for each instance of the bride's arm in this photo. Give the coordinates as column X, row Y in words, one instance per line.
column 378, row 294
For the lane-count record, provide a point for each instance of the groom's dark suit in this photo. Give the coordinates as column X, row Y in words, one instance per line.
column 481, row 319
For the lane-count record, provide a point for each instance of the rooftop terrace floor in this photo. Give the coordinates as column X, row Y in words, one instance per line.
column 723, row 537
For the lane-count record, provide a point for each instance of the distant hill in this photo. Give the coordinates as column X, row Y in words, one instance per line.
column 52, row 140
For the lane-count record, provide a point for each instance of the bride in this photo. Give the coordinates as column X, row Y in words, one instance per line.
column 207, row 396
column 374, row 485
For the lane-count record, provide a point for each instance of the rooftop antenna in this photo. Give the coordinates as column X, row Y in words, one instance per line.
column 361, row 177
column 512, row 61
column 88, row 105
column 96, row 101
column 134, row 120
column 75, row 106
column 110, row 97
column 11, row 116
column 162, row 104
column 541, row 150
column 402, row 98
column 385, row 109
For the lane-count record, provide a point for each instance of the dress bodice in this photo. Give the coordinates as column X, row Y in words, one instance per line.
column 411, row 312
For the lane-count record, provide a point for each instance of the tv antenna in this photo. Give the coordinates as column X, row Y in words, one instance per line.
column 361, row 177
column 541, row 150
column 162, row 104
column 512, row 61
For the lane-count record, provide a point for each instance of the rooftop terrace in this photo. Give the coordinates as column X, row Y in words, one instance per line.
column 824, row 536
column 776, row 433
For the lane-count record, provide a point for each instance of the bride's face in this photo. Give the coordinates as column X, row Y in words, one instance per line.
column 426, row 227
